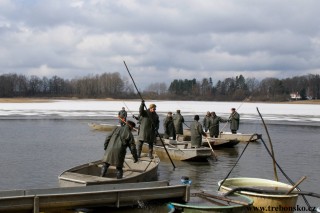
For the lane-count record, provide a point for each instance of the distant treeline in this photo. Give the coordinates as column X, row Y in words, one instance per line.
column 112, row 85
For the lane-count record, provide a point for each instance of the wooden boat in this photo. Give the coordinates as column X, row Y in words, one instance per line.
column 212, row 202
column 261, row 200
column 89, row 173
column 102, row 126
column 251, row 137
column 105, row 195
column 179, row 151
column 242, row 137
column 217, row 143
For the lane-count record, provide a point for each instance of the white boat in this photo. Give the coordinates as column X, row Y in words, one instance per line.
column 89, row 174
column 217, row 143
column 102, row 126
column 242, row 137
column 180, row 151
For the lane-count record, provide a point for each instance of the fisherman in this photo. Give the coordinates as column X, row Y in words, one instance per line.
column 214, row 124
column 149, row 125
column 115, row 147
column 122, row 115
column 234, row 120
column 178, row 120
column 168, row 126
column 206, row 120
column 196, row 133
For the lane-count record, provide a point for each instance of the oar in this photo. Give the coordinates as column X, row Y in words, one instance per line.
column 214, row 154
column 295, row 185
column 157, row 133
column 223, row 198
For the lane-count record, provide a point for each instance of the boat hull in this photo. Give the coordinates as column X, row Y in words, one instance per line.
column 242, row 137
column 213, row 202
column 180, row 153
column 89, row 173
column 263, row 201
column 102, row 127
column 218, row 143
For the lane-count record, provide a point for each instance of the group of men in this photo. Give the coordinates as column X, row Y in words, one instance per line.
column 121, row 137
column 211, row 123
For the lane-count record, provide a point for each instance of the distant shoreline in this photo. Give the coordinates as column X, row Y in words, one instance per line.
column 46, row 100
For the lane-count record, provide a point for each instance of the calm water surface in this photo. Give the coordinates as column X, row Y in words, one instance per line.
column 33, row 153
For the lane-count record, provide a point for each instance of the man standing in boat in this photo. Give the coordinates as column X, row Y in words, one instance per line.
column 115, row 147
column 168, row 126
column 149, row 125
column 196, row 133
column 234, row 120
column 178, row 120
column 214, row 124
column 122, row 115
column 205, row 121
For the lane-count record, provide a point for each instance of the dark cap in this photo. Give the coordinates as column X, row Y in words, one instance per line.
column 196, row 117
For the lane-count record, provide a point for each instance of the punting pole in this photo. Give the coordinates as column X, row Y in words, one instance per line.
column 271, row 147
column 150, row 118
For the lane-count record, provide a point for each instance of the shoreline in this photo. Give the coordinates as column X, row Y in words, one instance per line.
column 46, row 100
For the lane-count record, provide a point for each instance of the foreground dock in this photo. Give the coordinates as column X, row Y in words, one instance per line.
column 109, row 195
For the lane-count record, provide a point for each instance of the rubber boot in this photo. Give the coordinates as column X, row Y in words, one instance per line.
column 150, row 154
column 119, row 173
column 139, row 148
column 104, row 169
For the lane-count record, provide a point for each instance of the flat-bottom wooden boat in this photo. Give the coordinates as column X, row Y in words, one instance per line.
column 89, row 173
column 217, row 143
column 179, row 151
column 102, row 126
column 242, row 137
column 263, row 201
column 106, row 195
column 212, row 202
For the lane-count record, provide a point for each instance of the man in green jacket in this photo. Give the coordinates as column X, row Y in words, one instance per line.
column 205, row 121
column 122, row 115
column 115, row 147
column 214, row 124
column 234, row 120
column 149, row 125
column 196, row 133
column 178, row 120
column 168, row 126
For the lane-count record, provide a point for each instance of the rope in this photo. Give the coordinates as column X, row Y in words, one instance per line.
column 233, row 166
column 284, row 174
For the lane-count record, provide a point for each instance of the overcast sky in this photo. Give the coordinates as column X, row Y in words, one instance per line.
column 160, row 40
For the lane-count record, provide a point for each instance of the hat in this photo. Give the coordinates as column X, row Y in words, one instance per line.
column 196, row 117
column 152, row 106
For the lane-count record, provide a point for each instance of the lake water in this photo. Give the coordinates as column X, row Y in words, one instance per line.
column 36, row 148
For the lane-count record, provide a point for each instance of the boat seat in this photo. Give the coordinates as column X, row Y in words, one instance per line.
column 76, row 177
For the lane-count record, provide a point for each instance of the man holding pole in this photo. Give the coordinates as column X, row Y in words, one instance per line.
column 234, row 120
column 149, row 125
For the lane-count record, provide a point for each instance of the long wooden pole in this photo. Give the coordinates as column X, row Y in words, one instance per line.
column 213, row 153
column 148, row 115
column 271, row 147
